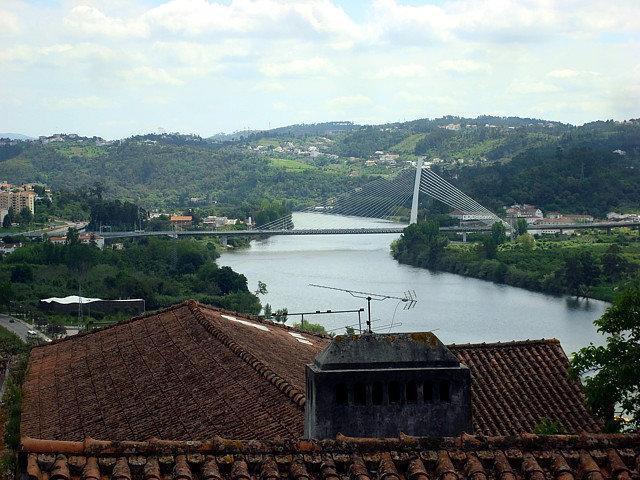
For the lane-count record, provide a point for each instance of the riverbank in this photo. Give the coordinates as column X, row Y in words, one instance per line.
column 589, row 265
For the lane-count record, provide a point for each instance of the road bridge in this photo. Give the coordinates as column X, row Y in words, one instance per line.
column 226, row 234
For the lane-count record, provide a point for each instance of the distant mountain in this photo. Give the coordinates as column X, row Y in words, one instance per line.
column 16, row 136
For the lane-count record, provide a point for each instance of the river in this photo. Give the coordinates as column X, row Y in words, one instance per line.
column 458, row 309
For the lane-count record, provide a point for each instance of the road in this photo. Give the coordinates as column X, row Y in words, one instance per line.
column 52, row 230
column 19, row 327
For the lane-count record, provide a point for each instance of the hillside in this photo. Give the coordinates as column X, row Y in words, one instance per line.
column 498, row 160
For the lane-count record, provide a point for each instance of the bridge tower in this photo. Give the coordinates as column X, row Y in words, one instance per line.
column 416, row 193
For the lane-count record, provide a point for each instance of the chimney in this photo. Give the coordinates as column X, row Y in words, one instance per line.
column 378, row 385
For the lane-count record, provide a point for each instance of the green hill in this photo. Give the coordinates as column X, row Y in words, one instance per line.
column 497, row 160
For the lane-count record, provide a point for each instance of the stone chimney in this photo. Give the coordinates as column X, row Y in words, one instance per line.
column 379, row 385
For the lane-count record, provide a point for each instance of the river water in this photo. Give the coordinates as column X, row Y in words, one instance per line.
column 457, row 309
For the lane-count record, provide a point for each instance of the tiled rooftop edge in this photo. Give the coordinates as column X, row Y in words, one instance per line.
column 186, row 303
column 344, row 444
column 511, row 343
column 293, row 393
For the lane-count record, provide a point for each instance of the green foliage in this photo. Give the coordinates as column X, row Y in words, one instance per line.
column 21, row 273
column 311, row 328
column 10, row 343
column 280, row 315
column 526, row 241
column 521, row 227
column 12, row 400
column 267, row 311
column 546, row 426
column 161, row 271
column 573, row 265
column 25, row 217
column 612, row 379
column 580, row 271
column 421, row 244
column 573, row 171
column 349, row 330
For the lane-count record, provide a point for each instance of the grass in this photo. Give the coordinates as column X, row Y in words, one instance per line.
column 291, row 165
column 408, row 145
column 86, row 151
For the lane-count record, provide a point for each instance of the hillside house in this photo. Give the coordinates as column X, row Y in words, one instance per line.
column 181, row 221
column 530, row 213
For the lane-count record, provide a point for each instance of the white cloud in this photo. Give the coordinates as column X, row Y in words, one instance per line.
column 9, row 23
column 147, row 75
column 563, row 73
column 409, row 70
column 89, row 20
column 532, row 87
column 349, row 102
column 89, row 102
column 306, row 67
column 464, row 66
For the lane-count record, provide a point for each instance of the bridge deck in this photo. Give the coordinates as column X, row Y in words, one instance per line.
column 354, row 231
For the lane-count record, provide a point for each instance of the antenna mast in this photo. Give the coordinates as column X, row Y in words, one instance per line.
column 409, row 299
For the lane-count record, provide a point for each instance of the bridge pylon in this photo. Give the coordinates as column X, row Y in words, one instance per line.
column 416, row 193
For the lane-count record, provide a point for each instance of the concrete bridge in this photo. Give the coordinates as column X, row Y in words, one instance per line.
column 224, row 235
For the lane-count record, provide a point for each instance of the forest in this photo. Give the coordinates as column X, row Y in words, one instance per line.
column 593, row 168
column 163, row 272
column 594, row 265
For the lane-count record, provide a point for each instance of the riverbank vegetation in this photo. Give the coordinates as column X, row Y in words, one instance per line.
column 592, row 265
column 611, row 382
column 163, row 272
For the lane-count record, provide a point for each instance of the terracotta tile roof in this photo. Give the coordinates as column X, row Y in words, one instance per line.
column 516, row 384
column 594, row 457
column 192, row 372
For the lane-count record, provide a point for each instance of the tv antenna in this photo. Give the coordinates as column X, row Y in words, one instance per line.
column 409, row 299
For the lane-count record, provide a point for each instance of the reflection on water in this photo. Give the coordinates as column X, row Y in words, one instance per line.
column 584, row 304
column 459, row 309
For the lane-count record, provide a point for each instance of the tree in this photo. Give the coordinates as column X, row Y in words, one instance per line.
column 6, row 293
column 613, row 377
column 73, row 237
column 267, row 311
column 8, row 218
column 498, row 233
column 580, row 271
column 521, row 227
column 25, row 217
column 21, row 273
column 262, row 288
column 613, row 263
column 280, row 315
column 421, row 243
column 527, row 241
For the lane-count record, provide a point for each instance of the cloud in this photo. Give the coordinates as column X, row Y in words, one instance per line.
column 563, row 73
column 349, row 102
column 147, row 75
column 307, row 67
column 89, row 20
column 409, row 70
column 9, row 23
column 253, row 17
column 90, row 102
column 463, row 66
column 527, row 87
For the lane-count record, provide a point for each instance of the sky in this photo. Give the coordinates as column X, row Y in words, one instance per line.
column 121, row 67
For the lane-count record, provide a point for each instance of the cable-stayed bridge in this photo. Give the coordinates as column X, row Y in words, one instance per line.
column 385, row 201
column 375, row 208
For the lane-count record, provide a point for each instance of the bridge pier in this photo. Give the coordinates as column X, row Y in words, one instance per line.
column 416, row 193
column 224, row 241
column 464, row 237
